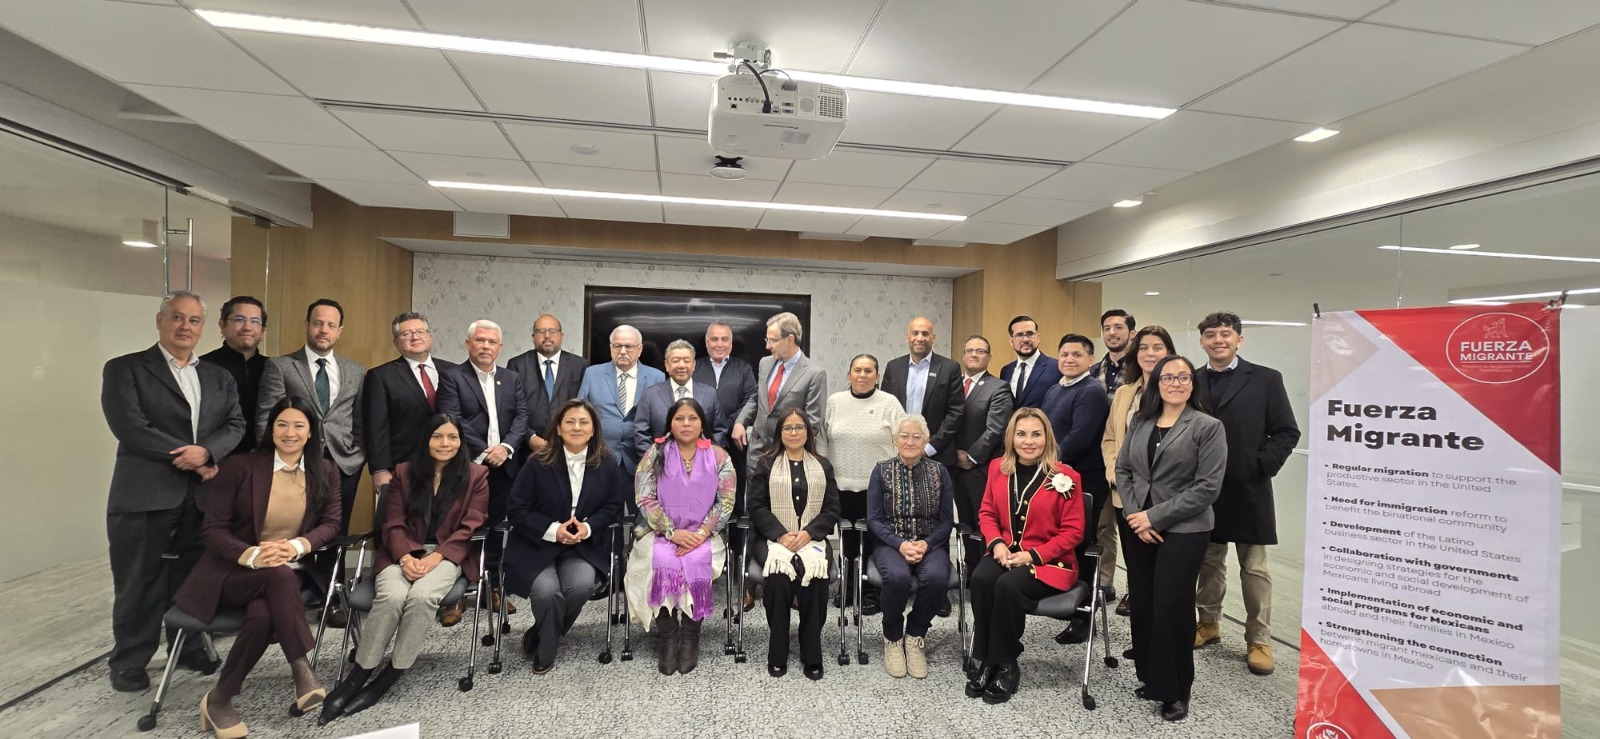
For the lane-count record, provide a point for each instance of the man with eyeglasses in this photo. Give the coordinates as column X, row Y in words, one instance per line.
column 1031, row 375
column 401, row 395
column 786, row 379
column 615, row 387
column 550, row 377
column 243, row 323
column 985, row 412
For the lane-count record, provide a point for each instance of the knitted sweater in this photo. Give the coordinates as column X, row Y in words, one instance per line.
column 858, row 435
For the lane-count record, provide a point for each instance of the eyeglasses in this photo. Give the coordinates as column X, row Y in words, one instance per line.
column 624, row 348
column 417, row 334
column 245, row 320
column 546, row 331
column 1177, row 379
column 1025, row 335
column 794, row 429
column 904, row 436
column 770, row 341
column 974, row 351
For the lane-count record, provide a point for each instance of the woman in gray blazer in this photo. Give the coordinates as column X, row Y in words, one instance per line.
column 1169, row 470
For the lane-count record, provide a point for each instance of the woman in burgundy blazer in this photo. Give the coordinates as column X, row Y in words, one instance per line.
column 1031, row 491
column 249, row 554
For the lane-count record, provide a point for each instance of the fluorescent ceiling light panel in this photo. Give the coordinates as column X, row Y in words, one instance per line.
column 1504, row 299
column 1315, row 135
column 1273, row 323
column 1498, row 254
column 1465, row 247
column 1127, row 204
column 1152, row 293
column 448, row 42
column 672, row 200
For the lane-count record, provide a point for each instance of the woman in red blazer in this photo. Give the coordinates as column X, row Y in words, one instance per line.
column 1028, row 490
column 434, row 504
column 264, row 511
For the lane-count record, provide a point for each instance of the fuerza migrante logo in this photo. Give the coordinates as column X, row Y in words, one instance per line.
column 1497, row 348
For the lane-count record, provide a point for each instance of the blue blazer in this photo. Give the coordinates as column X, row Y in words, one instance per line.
column 600, row 388
column 650, row 418
column 1045, row 375
column 461, row 394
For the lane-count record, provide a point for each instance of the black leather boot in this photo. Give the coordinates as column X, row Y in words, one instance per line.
column 375, row 691
column 670, row 632
column 1004, row 684
column 977, row 682
column 688, row 645
column 333, row 706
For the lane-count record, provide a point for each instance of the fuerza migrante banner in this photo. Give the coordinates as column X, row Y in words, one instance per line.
column 1433, row 518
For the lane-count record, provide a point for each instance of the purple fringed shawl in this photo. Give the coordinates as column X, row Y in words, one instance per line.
column 686, row 499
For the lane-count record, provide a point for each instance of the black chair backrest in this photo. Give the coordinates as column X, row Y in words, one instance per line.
column 1091, row 529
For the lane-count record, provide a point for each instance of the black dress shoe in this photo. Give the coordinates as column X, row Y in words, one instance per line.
column 129, row 679
column 1175, row 711
column 1077, row 631
column 338, row 617
column 1128, row 653
column 530, row 641
column 369, row 696
column 1004, row 685
column 1123, row 609
column 333, row 705
column 777, row 670
column 814, row 672
column 869, row 603
column 198, row 661
column 944, row 608
column 1143, row 693
column 976, row 683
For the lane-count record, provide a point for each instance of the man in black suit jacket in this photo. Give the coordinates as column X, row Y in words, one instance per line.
column 400, row 396
column 650, row 421
column 175, row 420
column 549, row 377
column 985, row 413
column 735, row 381
column 1039, row 372
column 939, row 379
column 1259, row 423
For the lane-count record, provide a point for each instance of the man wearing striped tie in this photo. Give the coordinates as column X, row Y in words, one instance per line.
column 614, row 389
column 650, row 420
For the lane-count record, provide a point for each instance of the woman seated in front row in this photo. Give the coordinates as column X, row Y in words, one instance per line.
column 264, row 511
column 434, row 505
column 793, row 502
column 1032, row 520
column 910, row 512
column 685, row 487
column 561, row 510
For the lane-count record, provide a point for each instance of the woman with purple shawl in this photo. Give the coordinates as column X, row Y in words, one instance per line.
column 685, row 488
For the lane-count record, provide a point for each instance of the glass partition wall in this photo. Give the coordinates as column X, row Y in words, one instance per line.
column 1273, row 286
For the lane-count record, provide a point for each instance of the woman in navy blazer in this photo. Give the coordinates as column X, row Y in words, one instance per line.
column 264, row 511
column 561, row 510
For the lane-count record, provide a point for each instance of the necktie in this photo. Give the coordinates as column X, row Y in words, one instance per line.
column 1022, row 378
column 550, row 380
column 777, row 381
column 624, row 398
column 427, row 387
column 324, row 391
column 966, row 387
column 682, row 392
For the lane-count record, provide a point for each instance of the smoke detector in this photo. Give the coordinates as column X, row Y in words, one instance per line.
column 728, row 168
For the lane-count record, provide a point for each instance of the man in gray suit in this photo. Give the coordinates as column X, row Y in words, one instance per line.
column 175, row 419
column 334, row 385
column 979, row 438
column 786, row 379
column 650, row 421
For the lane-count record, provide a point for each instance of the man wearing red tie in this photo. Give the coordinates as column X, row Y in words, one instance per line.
column 787, row 379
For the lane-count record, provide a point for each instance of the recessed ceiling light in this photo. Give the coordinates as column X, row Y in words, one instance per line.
column 1498, row 254
column 476, row 174
column 1152, row 293
column 1274, row 274
column 1315, row 135
column 1127, row 203
column 1464, row 247
column 669, row 199
column 1273, row 323
column 584, row 149
column 139, row 244
column 447, row 42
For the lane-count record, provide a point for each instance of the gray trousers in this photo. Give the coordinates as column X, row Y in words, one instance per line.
column 403, row 610
column 558, row 595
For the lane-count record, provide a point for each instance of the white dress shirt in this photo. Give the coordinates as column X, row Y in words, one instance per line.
column 333, row 373
column 717, row 367
column 486, row 382
column 433, row 373
column 576, row 464
column 1016, row 372
column 189, row 384
column 685, row 390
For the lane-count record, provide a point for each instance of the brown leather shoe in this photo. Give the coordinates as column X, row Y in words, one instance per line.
column 452, row 615
column 1207, row 634
column 338, row 617
column 494, row 602
column 1260, row 659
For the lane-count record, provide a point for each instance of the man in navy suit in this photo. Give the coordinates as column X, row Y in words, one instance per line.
column 549, row 375
column 1031, row 375
column 650, row 420
column 614, row 388
column 494, row 420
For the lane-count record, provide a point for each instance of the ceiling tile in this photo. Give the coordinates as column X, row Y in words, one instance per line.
column 960, row 42
column 453, row 168
column 1347, row 9
column 96, row 35
column 511, row 203
column 711, row 215
column 332, row 162
column 1036, row 211
column 973, row 232
column 611, row 25
column 897, row 228
column 775, row 220
column 1048, row 134
column 1520, row 21
column 694, row 156
column 568, row 177
column 557, row 89
column 1353, row 70
column 820, row 36
column 956, row 175
column 556, row 144
column 846, row 196
column 249, row 117
column 387, row 195
column 681, row 100
column 706, row 186
column 953, row 203
column 1169, row 52
column 611, row 210
column 905, row 120
column 344, row 70
column 1197, row 141
column 381, row 13
column 429, row 134
column 1103, row 183
column 856, row 168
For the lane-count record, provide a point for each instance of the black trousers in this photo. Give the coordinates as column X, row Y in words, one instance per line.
column 326, row 565
column 273, row 611
column 499, row 498
column 142, row 582
column 1161, row 595
column 777, row 591
column 969, row 500
column 1000, row 601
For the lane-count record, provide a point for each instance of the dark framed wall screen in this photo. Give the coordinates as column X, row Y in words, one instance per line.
column 664, row 315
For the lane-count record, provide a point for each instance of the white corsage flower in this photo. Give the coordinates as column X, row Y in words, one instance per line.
column 1061, row 484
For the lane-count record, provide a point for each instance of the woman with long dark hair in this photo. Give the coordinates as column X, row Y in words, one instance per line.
column 434, row 504
column 264, row 512
column 1149, row 346
column 1169, row 471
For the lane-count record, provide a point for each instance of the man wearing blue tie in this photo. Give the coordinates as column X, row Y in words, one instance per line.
column 550, row 377
column 614, row 388
column 1029, row 376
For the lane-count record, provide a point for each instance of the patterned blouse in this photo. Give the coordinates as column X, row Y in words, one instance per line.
column 655, row 519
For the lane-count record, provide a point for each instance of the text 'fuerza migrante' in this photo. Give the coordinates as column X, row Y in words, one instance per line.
column 1358, row 433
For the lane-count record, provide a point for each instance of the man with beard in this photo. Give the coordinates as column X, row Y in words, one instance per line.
column 244, row 320
column 550, row 377
column 1029, row 376
column 1116, row 327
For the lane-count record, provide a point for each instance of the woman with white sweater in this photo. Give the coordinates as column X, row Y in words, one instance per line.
column 859, row 426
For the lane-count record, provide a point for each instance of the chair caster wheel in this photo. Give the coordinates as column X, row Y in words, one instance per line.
column 728, row 650
column 1088, row 702
column 844, row 659
column 294, row 711
column 465, row 684
column 861, row 658
column 147, row 722
column 627, row 655
column 1111, row 662
column 487, row 640
column 605, row 658
column 352, row 658
column 494, row 668
column 739, row 658
column 505, row 627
